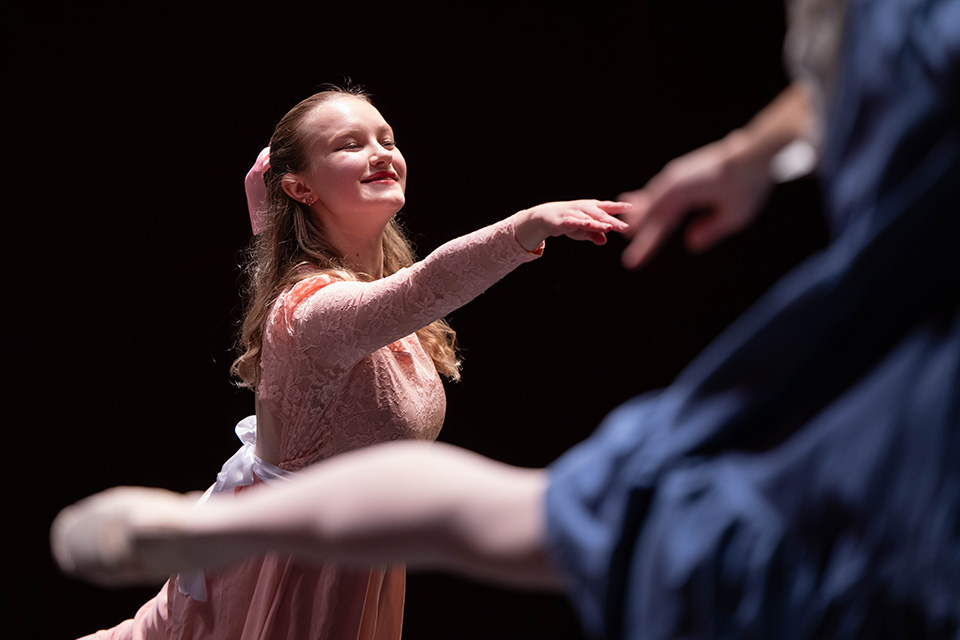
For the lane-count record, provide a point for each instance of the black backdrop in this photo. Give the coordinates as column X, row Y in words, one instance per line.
column 129, row 131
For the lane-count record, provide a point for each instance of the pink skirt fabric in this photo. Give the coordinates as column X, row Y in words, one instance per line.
column 274, row 598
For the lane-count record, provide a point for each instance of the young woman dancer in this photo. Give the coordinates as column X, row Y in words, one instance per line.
column 343, row 340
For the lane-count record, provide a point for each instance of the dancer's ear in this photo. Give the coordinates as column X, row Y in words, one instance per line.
column 295, row 187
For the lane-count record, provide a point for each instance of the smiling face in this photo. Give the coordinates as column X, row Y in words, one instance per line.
column 355, row 173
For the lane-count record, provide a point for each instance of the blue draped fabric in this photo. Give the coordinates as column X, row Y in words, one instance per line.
column 801, row 478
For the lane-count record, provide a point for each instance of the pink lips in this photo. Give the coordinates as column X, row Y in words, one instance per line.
column 382, row 176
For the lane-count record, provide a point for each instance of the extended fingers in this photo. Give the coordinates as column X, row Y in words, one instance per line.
column 582, row 223
column 604, row 211
column 590, row 219
column 577, row 219
column 613, row 206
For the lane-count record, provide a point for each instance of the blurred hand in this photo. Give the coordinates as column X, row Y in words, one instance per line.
column 724, row 179
column 125, row 535
column 577, row 219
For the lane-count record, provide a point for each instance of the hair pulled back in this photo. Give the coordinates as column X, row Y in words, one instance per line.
column 293, row 246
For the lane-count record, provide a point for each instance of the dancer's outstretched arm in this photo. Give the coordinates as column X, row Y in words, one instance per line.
column 426, row 505
column 728, row 180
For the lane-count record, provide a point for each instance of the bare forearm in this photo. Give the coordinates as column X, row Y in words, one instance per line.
column 429, row 506
column 789, row 117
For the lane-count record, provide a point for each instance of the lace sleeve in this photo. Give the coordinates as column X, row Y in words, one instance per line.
column 340, row 322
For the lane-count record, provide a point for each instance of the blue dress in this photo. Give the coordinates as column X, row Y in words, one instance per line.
column 801, row 478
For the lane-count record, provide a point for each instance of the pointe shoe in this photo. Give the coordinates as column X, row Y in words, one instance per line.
column 122, row 536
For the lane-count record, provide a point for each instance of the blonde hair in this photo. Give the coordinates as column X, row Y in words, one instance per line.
column 292, row 246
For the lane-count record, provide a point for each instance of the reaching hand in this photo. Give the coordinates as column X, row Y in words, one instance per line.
column 576, row 219
column 256, row 190
column 125, row 535
column 724, row 178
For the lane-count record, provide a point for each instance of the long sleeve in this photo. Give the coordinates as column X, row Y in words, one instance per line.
column 340, row 322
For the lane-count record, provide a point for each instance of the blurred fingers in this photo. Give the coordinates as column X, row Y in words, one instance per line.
column 713, row 227
column 645, row 242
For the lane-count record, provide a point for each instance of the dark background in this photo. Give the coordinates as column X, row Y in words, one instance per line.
column 129, row 130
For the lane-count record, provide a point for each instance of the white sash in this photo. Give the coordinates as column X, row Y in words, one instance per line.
column 239, row 471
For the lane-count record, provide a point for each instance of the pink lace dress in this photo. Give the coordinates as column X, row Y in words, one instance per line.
column 342, row 368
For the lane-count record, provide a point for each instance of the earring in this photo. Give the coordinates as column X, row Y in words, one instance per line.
column 309, row 202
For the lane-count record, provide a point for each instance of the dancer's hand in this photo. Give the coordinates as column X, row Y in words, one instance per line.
column 122, row 536
column 256, row 190
column 724, row 179
column 577, row 219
